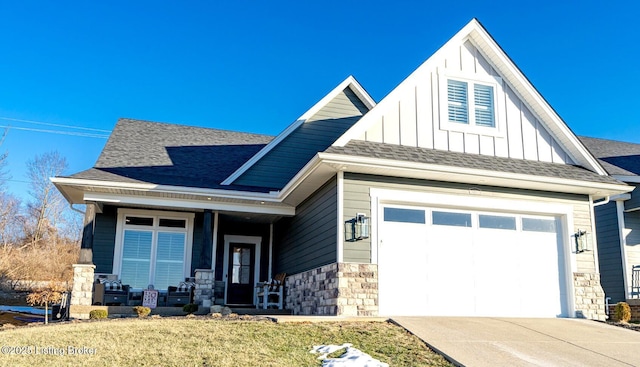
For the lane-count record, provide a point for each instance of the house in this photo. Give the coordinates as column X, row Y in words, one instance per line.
column 462, row 192
column 618, row 221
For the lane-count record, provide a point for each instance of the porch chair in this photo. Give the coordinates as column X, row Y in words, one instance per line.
column 635, row 281
column 270, row 294
column 110, row 292
column 182, row 294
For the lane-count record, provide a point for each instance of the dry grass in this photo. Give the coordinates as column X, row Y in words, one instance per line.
column 210, row 342
column 22, row 267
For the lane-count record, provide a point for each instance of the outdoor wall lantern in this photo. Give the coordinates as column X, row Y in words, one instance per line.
column 357, row 228
column 583, row 241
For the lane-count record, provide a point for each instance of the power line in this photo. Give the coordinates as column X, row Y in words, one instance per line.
column 10, row 180
column 60, row 132
column 56, row 125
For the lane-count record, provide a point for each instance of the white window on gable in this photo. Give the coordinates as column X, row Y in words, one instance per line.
column 480, row 97
column 457, row 100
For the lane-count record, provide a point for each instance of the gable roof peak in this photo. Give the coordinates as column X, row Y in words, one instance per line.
column 349, row 82
column 475, row 33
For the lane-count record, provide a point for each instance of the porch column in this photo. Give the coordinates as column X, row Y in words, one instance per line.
column 204, row 288
column 82, row 291
column 204, row 274
column 86, row 247
column 207, row 237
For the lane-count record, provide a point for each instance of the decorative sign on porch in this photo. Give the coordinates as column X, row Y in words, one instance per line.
column 150, row 298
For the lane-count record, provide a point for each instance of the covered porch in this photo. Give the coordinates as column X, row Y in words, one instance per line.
column 215, row 257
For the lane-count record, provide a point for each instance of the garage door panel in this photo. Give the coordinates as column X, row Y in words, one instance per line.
column 402, row 252
column 495, row 264
column 448, row 283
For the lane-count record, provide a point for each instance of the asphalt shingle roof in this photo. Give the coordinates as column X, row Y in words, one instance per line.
column 167, row 154
column 465, row 160
column 617, row 157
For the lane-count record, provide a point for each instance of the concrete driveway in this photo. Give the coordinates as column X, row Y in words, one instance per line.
column 476, row 341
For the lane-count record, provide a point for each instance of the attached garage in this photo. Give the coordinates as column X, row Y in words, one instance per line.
column 449, row 261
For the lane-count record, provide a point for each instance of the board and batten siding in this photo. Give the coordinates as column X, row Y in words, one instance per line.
column 308, row 240
column 316, row 134
column 357, row 200
column 412, row 114
column 609, row 254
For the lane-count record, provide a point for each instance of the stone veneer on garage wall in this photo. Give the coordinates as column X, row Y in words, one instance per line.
column 589, row 296
column 344, row 289
column 349, row 289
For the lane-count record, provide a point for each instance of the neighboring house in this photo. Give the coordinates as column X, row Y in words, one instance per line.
column 618, row 220
column 460, row 193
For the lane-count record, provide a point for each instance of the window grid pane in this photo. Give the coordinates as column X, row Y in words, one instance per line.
column 136, row 258
column 497, row 222
column 404, row 215
column 169, row 259
column 241, row 269
column 173, row 223
column 458, row 110
column 483, row 103
column 139, row 221
column 451, row 219
column 539, row 225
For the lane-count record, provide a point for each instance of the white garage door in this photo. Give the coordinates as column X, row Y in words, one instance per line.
column 444, row 262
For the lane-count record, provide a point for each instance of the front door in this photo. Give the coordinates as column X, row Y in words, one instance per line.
column 241, row 271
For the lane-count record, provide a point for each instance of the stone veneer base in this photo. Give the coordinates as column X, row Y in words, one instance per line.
column 589, row 296
column 82, row 289
column 349, row 289
column 203, row 294
column 338, row 289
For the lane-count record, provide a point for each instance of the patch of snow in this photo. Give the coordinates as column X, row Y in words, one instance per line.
column 352, row 357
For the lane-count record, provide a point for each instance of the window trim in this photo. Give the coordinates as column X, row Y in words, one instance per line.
column 471, row 127
column 121, row 226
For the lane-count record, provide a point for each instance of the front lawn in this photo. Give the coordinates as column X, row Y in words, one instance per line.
column 205, row 341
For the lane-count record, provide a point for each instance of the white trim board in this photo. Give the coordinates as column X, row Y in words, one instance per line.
column 228, row 239
column 191, row 204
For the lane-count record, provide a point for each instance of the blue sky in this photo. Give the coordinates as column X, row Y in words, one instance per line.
column 257, row 65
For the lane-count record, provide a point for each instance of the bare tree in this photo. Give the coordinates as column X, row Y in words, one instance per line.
column 4, row 176
column 10, row 218
column 9, row 204
column 47, row 205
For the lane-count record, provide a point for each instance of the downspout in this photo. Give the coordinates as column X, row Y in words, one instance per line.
column 623, row 245
column 340, row 219
column 76, row 209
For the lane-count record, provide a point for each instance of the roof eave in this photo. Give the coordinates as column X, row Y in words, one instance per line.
column 474, row 176
column 65, row 183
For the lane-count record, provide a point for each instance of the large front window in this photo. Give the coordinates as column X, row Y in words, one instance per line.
column 154, row 249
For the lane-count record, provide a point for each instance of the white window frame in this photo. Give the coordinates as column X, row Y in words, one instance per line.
column 121, row 226
column 499, row 128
